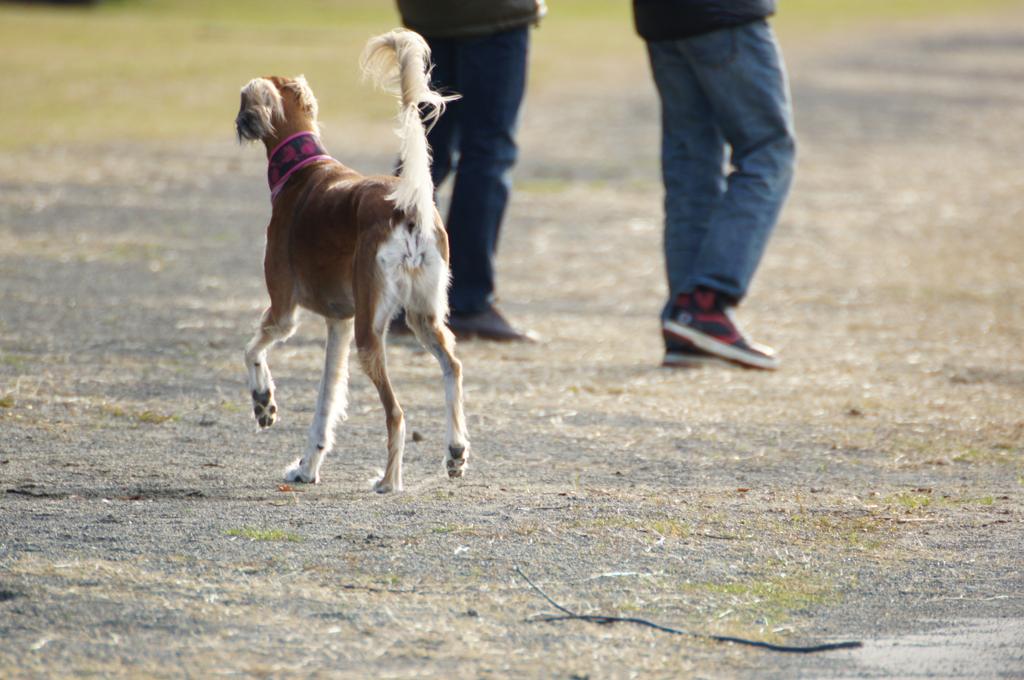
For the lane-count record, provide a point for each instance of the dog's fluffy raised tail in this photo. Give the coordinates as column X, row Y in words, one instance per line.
column 399, row 63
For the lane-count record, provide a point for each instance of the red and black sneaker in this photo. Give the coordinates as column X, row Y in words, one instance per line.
column 686, row 355
column 703, row 320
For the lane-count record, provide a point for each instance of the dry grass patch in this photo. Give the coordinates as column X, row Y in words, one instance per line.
column 163, row 70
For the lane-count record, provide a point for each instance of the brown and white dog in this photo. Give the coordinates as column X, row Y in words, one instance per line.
column 355, row 250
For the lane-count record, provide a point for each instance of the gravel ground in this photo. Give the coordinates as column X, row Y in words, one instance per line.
column 871, row 490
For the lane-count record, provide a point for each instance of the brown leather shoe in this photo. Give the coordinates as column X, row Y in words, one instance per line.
column 489, row 325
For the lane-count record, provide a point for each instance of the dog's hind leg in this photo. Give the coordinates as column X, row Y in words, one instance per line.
column 431, row 331
column 274, row 327
column 370, row 344
column 330, row 403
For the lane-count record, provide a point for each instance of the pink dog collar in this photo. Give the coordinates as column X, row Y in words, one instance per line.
column 290, row 155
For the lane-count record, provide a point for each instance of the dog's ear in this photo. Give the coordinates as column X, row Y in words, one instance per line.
column 304, row 97
column 261, row 108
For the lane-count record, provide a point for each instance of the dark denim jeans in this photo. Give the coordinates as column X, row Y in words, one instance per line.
column 728, row 154
column 475, row 138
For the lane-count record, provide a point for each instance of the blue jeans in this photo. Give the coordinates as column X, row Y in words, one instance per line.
column 728, row 154
column 475, row 138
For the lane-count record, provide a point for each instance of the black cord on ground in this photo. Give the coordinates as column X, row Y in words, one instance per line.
column 605, row 620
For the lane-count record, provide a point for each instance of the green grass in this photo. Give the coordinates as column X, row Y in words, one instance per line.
column 16, row 362
column 264, row 534
column 171, row 69
column 910, row 501
column 832, row 14
column 154, row 417
column 149, row 416
column 451, row 528
column 161, row 70
column 777, row 596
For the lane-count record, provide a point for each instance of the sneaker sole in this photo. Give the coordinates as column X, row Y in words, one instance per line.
column 680, row 360
column 720, row 349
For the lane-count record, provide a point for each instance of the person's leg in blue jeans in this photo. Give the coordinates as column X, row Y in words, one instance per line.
column 475, row 138
column 728, row 157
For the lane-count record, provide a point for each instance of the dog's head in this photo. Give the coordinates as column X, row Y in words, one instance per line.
column 274, row 108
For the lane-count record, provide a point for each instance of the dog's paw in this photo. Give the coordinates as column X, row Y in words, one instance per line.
column 297, row 472
column 264, row 408
column 456, row 460
column 384, row 485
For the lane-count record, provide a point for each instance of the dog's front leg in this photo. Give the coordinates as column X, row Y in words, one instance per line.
column 331, row 403
column 261, row 382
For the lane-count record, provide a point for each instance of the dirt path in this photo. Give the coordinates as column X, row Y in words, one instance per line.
column 870, row 490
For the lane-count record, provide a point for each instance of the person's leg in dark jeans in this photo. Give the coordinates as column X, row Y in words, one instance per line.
column 724, row 97
column 475, row 139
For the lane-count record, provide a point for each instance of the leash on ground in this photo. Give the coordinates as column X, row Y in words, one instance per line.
column 596, row 618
